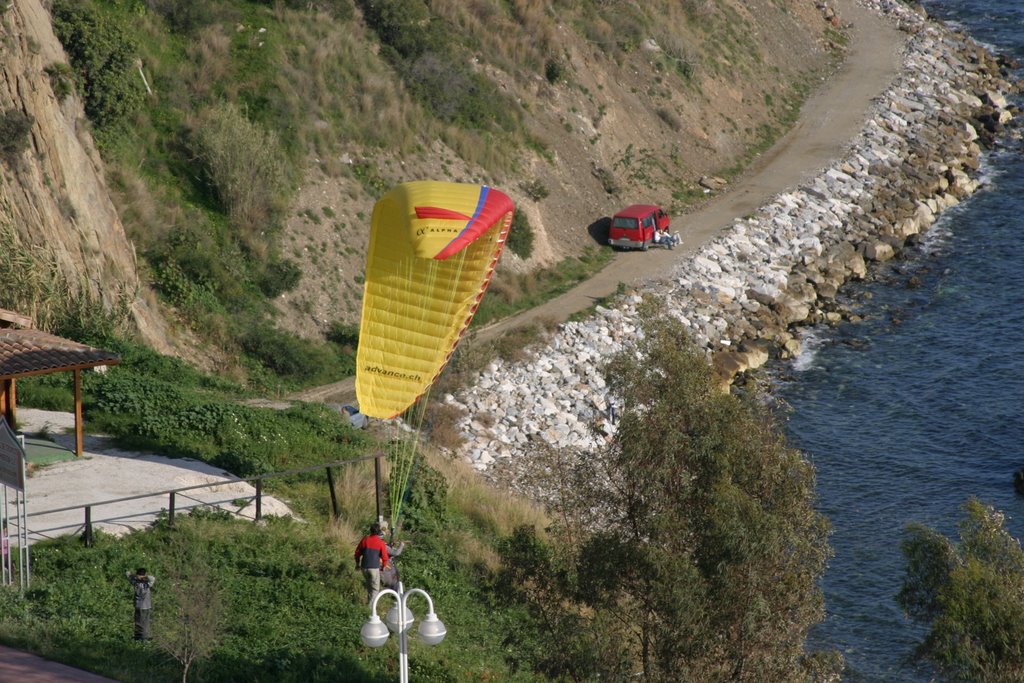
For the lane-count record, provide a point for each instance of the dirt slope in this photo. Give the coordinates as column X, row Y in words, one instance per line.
column 828, row 123
column 692, row 94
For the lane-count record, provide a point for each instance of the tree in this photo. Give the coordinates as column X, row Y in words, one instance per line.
column 695, row 543
column 971, row 594
column 189, row 628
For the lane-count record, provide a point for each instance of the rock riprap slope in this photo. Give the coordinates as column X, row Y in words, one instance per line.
column 744, row 293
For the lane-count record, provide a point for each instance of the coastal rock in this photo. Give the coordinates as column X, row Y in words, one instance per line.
column 879, row 251
column 742, row 295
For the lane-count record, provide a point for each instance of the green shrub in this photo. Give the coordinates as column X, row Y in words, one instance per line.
column 345, row 334
column 418, row 44
column 103, row 52
column 188, row 16
column 290, row 606
column 246, row 166
column 47, row 392
column 701, row 491
column 62, row 80
column 143, row 361
column 15, row 127
column 455, row 93
column 425, row 508
column 369, row 177
column 520, row 236
column 178, row 420
column 534, row 189
column 291, row 357
column 119, row 392
column 279, row 276
column 405, row 27
column 553, row 71
column 186, row 291
column 970, row 594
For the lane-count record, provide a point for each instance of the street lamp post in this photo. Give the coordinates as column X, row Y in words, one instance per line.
column 398, row 620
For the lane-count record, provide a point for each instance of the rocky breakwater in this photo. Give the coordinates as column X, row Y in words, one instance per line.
column 745, row 295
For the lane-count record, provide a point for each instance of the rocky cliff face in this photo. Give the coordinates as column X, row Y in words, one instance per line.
column 54, row 195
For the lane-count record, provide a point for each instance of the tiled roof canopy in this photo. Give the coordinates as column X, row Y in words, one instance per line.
column 32, row 352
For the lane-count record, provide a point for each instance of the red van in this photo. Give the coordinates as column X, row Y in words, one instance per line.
column 634, row 226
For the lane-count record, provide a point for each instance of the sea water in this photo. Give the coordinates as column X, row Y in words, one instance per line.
column 911, row 412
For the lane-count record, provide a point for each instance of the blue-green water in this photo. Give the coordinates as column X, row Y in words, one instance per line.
column 911, row 412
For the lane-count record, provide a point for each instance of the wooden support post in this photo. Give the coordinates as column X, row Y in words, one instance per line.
column 78, row 413
column 170, row 510
column 334, row 495
column 8, row 400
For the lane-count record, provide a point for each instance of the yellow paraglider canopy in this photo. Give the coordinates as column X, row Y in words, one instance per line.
column 433, row 248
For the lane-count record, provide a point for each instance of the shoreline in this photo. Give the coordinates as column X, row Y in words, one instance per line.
column 745, row 294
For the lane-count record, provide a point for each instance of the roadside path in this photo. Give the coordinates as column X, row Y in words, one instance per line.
column 828, row 123
column 21, row 667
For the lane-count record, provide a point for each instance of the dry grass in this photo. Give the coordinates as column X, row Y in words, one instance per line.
column 355, row 488
column 349, row 86
column 520, row 34
column 443, row 425
column 139, row 210
column 209, row 62
column 468, row 545
column 497, row 510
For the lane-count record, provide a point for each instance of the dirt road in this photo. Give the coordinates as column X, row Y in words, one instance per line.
column 828, row 123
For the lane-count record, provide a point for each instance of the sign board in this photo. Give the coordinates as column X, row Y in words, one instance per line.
column 12, row 458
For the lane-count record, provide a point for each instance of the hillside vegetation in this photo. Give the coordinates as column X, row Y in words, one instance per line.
column 689, row 553
column 246, row 141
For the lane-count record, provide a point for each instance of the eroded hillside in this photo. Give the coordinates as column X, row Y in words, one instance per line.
column 637, row 111
column 56, row 214
column 572, row 108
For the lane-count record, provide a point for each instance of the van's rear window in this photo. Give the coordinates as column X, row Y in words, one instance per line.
column 628, row 223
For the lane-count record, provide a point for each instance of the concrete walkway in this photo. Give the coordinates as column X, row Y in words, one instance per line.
column 22, row 667
column 106, row 472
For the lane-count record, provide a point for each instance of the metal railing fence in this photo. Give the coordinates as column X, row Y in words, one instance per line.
column 257, row 496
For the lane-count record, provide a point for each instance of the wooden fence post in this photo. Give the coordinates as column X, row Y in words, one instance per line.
column 259, row 499
column 87, row 533
column 334, row 496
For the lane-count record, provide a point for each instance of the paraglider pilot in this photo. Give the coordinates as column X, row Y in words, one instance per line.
column 371, row 558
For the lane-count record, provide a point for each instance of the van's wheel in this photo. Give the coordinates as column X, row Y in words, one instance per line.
column 645, row 247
